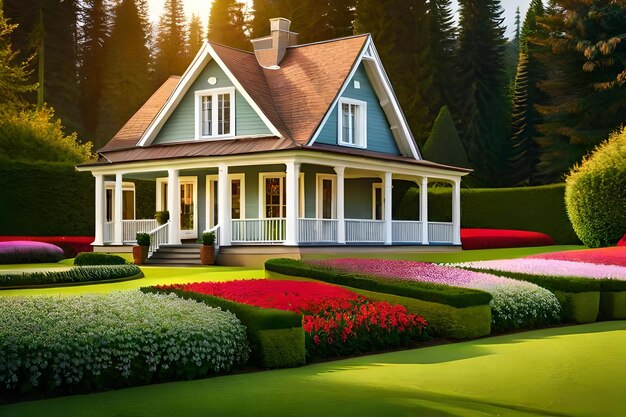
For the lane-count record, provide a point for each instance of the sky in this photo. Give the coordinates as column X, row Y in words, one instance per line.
column 202, row 7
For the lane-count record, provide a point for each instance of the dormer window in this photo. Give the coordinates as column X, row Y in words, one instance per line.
column 352, row 123
column 215, row 113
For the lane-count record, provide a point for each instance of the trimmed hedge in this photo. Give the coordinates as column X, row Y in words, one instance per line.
column 96, row 258
column 595, row 195
column 276, row 336
column 441, row 294
column 78, row 274
column 538, row 209
column 53, row 199
column 26, row 252
column 70, row 344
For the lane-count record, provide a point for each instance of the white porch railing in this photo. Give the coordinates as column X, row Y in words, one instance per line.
column 108, row 231
column 317, row 230
column 440, row 232
column 158, row 237
column 406, row 231
column 365, row 231
column 215, row 229
column 258, row 230
column 130, row 228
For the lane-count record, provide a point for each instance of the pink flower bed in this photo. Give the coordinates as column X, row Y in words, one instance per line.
column 551, row 267
column 72, row 245
column 502, row 238
column 21, row 252
column 607, row 256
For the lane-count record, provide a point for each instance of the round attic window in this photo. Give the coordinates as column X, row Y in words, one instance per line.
column 212, row 80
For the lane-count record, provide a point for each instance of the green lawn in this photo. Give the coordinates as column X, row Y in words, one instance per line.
column 566, row 371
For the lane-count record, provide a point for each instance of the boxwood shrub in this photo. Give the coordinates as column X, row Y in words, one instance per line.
column 65, row 344
column 595, row 195
column 77, row 274
column 95, row 258
column 26, row 252
column 276, row 336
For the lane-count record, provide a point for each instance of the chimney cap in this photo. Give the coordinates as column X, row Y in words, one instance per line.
column 280, row 23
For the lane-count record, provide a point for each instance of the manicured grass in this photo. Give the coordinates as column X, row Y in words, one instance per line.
column 460, row 256
column 579, row 372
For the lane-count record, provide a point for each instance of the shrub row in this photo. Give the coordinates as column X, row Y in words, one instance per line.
column 83, row 343
column 442, row 294
column 96, row 258
column 78, row 274
column 538, row 209
column 276, row 336
column 25, row 252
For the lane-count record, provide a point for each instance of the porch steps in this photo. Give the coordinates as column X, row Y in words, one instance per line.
column 178, row 255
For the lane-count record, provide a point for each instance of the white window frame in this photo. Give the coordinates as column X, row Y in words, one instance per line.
column 185, row 234
column 360, row 141
column 283, row 175
column 211, row 184
column 378, row 185
column 126, row 186
column 214, row 93
column 319, row 204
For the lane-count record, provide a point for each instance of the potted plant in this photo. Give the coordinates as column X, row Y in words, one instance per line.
column 162, row 217
column 140, row 251
column 207, row 250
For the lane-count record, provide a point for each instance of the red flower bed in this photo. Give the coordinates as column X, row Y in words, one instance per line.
column 607, row 256
column 336, row 321
column 71, row 245
column 501, row 238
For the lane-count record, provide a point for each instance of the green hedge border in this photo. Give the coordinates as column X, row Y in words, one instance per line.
column 69, row 278
column 276, row 336
column 76, row 284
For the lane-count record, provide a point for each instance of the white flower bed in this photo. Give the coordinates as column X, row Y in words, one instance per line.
column 117, row 339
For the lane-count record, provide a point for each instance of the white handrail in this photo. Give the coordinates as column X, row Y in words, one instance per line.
column 215, row 229
column 158, row 237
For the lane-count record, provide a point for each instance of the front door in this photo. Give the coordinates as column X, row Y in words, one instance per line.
column 188, row 204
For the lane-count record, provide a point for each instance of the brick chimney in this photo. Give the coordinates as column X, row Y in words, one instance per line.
column 270, row 50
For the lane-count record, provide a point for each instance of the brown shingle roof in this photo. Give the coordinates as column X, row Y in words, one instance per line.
column 131, row 132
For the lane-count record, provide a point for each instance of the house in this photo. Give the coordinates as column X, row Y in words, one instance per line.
column 282, row 151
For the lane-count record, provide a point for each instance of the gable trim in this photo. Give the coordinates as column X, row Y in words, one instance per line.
column 201, row 59
column 400, row 129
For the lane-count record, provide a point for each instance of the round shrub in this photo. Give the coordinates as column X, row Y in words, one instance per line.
column 26, row 252
column 94, row 258
column 91, row 342
column 595, row 194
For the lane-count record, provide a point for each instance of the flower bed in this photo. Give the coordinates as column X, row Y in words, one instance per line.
column 91, row 342
column 72, row 245
column 24, row 252
column 515, row 304
column 75, row 275
column 502, row 238
column 607, row 256
column 336, row 321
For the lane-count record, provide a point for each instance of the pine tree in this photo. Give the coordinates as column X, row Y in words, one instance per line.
column 482, row 88
column 227, row 24
column 444, row 144
column 125, row 82
column 196, row 35
column 95, row 28
column 171, row 57
column 442, row 44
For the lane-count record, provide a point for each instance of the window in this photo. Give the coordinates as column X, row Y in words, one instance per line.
column 237, row 194
column 215, row 113
column 377, row 201
column 326, row 195
column 352, row 123
column 128, row 201
column 273, row 201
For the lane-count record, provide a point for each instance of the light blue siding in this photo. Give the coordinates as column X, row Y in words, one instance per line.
column 379, row 136
column 180, row 125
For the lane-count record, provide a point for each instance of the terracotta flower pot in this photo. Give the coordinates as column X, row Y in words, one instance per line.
column 140, row 254
column 207, row 254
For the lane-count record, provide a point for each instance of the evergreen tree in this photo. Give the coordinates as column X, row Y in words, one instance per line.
column 196, row 35
column 125, row 82
column 444, row 144
column 95, row 27
column 482, row 89
column 400, row 31
column 227, row 24
column 171, row 56
column 442, row 44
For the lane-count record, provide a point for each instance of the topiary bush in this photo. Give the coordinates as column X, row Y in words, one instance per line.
column 595, row 194
column 444, row 144
column 95, row 258
column 26, row 252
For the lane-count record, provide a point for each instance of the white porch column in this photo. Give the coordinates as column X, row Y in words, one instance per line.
column 173, row 206
column 456, row 212
column 387, row 184
column 341, row 220
column 99, row 233
column 293, row 201
column 424, row 209
column 117, row 226
column 223, row 204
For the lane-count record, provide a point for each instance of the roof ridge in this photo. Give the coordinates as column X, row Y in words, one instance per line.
column 343, row 38
column 230, row 47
